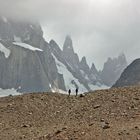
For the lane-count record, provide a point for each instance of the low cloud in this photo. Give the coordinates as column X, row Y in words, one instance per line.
column 99, row 28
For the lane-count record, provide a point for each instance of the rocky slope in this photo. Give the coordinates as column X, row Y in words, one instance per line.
column 112, row 69
column 130, row 76
column 106, row 114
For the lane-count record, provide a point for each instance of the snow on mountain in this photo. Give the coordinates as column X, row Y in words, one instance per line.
column 7, row 92
column 26, row 46
column 68, row 77
column 5, row 50
column 98, row 86
column 17, row 39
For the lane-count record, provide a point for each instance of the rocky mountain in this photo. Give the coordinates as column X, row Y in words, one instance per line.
column 29, row 63
column 130, row 76
column 112, row 69
column 26, row 62
column 77, row 73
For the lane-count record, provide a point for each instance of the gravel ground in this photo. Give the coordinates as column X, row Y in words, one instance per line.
column 112, row 114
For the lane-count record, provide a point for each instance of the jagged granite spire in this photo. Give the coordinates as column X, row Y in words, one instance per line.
column 93, row 69
column 83, row 65
column 113, row 68
column 68, row 45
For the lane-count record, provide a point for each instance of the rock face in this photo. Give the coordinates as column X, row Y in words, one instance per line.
column 130, row 76
column 26, row 62
column 82, row 75
column 113, row 69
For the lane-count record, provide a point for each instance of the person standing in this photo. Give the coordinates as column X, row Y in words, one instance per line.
column 76, row 91
column 69, row 91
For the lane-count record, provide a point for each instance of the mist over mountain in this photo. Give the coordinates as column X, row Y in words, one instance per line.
column 104, row 28
column 26, row 62
column 112, row 69
column 29, row 63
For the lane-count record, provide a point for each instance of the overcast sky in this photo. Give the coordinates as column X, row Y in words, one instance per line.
column 99, row 28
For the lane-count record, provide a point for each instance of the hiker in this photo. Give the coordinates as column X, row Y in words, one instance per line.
column 69, row 91
column 76, row 91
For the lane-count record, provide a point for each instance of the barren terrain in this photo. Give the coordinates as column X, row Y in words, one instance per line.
column 100, row 115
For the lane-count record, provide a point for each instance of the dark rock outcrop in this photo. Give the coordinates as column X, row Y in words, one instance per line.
column 130, row 76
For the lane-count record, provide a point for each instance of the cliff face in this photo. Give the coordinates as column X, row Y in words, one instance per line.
column 82, row 75
column 26, row 62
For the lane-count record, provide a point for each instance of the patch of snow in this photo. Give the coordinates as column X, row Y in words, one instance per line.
column 93, row 77
column 7, row 92
column 50, row 85
column 86, row 77
column 17, row 39
column 83, row 73
column 5, row 50
column 69, row 65
column 68, row 77
column 69, row 47
column 26, row 46
column 55, row 90
column 4, row 19
column 27, row 36
column 97, row 87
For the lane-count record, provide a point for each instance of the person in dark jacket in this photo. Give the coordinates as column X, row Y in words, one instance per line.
column 76, row 91
column 69, row 91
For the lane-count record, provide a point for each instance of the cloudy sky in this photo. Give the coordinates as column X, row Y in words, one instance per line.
column 99, row 28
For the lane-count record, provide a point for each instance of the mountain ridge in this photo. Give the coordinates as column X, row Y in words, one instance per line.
column 48, row 66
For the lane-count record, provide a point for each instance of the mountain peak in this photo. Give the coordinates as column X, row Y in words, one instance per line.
column 68, row 45
column 83, row 64
column 93, row 68
column 113, row 68
column 122, row 58
column 83, row 60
